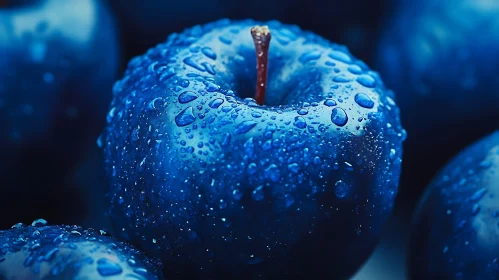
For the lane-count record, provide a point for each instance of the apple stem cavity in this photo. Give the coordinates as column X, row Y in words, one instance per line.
column 261, row 38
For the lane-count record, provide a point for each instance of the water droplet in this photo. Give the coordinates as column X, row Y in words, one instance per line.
column 364, row 101
column 187, row 97
column 366, row 81
column 340, row 56
column 252, row 168
column 289, row 199
column 339, row 117
column 309, row 56
column 39, row 223
column 257, row 194
column 302, row 112
column 273, row 173
column 392, row 153
column 294, row 167
column 225, row 40
column 152, row 105
column 255, row 114
column 209, row 52
column 317, row 160
column 300, row 122
column 340, row 189
column 355, row 69
column 190, row 61
column 475, row 209
column 226, row 139
column 107, row 268
column 249, row 147
column 211, row 87
column 166, row 73
column 244, row 127
column 478, row 194
column 208, row 67
column 330, row 102
column 267, row 145
column 341, row 79
column 50, row 254
column 237, row 194
column 185, row 117
column 18, row 225
column 215, row 103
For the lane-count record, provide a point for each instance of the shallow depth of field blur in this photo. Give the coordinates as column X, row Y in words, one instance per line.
column 60, row 176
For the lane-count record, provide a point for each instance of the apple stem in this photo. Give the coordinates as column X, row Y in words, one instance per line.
column 261, row 38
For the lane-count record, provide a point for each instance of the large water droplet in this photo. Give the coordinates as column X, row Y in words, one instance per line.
column 478, row 194
column 166, row 73
column 244, row 127
column 300, row 122
column 309, row 56
column 364, row 101
column 330, row 102
column 39, row 223
column 355, row 69
column 339, row 117
column 209, row 52
column 190, row 61
column 340, row 189
column 340, row 56
column 366, row 81
column 341, row 79
column 187, row 97
column 273, row 173
column 224, row 39
column 185, row 117
column 107, row 268
column 215, row 103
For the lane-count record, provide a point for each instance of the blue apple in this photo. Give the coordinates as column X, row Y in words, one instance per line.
column 218, row 185
column 40, row 251
column 455, row 233
column 441, row 57
column 57, row 65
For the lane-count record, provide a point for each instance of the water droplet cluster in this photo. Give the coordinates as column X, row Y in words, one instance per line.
column 203, row 177
column 457, row 225
column 40, row 251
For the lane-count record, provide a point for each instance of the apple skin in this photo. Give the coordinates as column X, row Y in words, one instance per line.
column 58, row 64
column 442, row 56
column 218, row 186
column 455, row 233
column 70, row 252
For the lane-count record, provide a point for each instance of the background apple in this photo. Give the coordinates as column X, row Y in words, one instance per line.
column 70, row 252
column 455, row 234
column 58, row 62
column 219, row 186
column 439, row 56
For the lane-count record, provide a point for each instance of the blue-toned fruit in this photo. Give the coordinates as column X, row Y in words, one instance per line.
column 441, row 58
column 58, row 60
column 219, row 186
column 40, row 251
column 455, row 233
